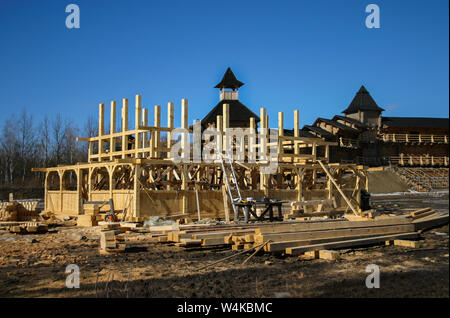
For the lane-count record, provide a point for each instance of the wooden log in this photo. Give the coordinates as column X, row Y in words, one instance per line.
column 350, row 243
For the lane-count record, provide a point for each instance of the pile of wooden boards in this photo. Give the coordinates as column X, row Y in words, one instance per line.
column 19, row 211
column 112, row 236
column 313, row 208
column 28, row 227
column 311, row 237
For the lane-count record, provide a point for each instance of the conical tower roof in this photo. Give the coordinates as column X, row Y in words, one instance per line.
column 362, row 101
column 229, row 81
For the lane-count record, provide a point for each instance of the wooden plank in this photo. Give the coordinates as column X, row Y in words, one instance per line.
column 331, row 225
column 427, row 223
column 281, row 246
column 292, row 236
column 329, row 255
column 350, row 243
column 424, row 214
column 407, row 243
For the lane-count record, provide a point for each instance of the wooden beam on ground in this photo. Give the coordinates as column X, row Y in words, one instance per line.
column 350, row 243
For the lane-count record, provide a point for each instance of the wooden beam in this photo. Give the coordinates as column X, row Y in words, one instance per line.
column 349, row 243
column 338, row 188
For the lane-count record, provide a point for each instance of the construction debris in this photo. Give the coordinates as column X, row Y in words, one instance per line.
column 28, row 227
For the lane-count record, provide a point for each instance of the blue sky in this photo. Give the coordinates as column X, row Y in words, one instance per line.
column 307, row 55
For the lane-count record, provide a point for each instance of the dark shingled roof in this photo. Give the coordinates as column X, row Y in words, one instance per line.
column 349, row 120
column 411, row 122
column 238, row 112
column 335, row 124
column 229, row 81
column 362, row 101
column 318, row 130
column 305, row 134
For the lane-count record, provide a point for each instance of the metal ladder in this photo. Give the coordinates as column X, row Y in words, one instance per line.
column 231, row 174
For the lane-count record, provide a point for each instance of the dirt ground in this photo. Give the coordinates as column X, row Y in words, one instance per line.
column 150, row 269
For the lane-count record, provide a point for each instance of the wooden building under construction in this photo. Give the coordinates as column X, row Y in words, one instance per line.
column 136, row 169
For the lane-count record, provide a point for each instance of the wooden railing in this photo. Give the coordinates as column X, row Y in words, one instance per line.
column 407, row 160
column 414, row 138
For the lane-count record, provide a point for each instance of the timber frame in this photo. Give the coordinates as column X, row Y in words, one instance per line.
column 135, row 169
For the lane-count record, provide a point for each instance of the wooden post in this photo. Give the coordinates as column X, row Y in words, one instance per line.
column 251, row 152
column 184, row 188
column 169, row 125
column 198, row 204
column 186, row 151
column 112, row 130
column 262, row 146
column 124, row 126
column 144, row 120
column 101, row 129
column 157, row 133
column 225, row 126
column 79, row 184
column 184, row 125
column 225, row 205
column 219, row 120
column 280, row 134
column 137, row 191
column 137, row 121
column 296, row 130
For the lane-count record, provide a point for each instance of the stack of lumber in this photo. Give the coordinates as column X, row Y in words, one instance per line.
column 310, row 237
column 15, row 211
column 28, row 227
column 427, row 218
column 313, row 208
column 87, row 220
column 112, row 241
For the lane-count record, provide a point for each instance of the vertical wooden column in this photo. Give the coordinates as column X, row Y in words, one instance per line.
column 46, row 194
column 137, row 121
column 299, row 185
column 137, row 191
column 170, row 124
column 314, row 151
column 61, row 203
column 296, row 132
column 262, row 146
column 144, row 137
column 327, row 153
column 79, row 183
column 186, row 149
column 101, row 129
column 252, row 141
column 124, row 119
column 280, row 134
column 219, row 140
column 112, row 130
column 157, row 134
column 225, row 126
